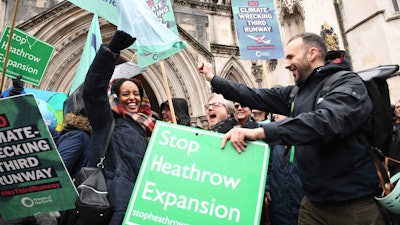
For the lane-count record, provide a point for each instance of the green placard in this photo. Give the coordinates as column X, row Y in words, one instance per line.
column 28, row 56
column 32, row 176
column 186, row 178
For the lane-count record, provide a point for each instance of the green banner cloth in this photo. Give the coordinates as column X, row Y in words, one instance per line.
column 154, row 40
column 92, row 45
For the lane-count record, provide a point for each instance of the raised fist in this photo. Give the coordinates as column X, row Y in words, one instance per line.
column 120, row 41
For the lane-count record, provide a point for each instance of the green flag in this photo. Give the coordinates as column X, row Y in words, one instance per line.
column 154, row 41
column 92, row 45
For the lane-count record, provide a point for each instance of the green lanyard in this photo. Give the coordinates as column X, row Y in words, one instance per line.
column 292, row 151
column 292, row 107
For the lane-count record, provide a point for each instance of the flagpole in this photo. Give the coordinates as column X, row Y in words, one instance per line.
column 166, row 87
column 264, row 69
column 8, row 46
column 133, row 56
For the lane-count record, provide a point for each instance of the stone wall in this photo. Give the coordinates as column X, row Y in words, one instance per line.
column 26, row 10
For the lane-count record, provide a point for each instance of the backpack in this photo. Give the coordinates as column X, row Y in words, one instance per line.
column 383, row 143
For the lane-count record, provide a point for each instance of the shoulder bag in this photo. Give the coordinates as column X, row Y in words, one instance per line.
column 92, row 205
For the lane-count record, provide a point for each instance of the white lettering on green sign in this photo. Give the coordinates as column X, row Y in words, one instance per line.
column 17, row 164
column 22, row 53
column 181, row 144
column 26, row 176
column 20, row 149
column 21, row 66
column 206, row 207
column 190, row 172
column 18, row 134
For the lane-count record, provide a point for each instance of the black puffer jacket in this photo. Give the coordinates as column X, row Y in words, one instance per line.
column 335, row 166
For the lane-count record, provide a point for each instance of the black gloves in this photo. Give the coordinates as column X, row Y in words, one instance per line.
column 120, row 41
column 18, row 86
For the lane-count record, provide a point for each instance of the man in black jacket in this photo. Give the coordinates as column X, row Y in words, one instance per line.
column 337, row 173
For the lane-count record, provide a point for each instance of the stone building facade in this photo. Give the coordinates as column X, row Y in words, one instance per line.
column 369, row 34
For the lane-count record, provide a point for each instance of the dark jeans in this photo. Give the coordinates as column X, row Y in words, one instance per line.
column 362, row 211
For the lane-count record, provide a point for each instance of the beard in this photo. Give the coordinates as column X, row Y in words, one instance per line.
column 303, row 70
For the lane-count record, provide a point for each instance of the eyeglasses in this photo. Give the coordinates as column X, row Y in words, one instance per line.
column 237, row 105
column 214, row 105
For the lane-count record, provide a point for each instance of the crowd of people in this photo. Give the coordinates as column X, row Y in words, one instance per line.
column 319, row 171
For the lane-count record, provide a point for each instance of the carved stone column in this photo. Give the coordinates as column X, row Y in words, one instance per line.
column 256, row 70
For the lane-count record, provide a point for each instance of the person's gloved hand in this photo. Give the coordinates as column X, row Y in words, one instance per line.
column 17, row 82
column 120, row 41
column 18, row 86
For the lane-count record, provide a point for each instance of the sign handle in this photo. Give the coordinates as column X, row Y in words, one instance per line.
column 8, row 46
column 166, row 87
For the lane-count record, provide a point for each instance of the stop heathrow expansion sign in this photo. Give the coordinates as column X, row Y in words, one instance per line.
column 187, row 178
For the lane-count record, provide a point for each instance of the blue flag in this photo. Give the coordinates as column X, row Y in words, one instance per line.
column 92, row 45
